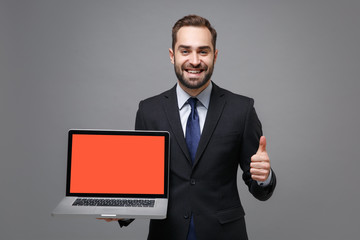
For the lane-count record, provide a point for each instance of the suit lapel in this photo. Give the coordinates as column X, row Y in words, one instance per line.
column 172, row 113
column 216, row 106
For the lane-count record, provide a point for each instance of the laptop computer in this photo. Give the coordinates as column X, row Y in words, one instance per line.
column 116, row 174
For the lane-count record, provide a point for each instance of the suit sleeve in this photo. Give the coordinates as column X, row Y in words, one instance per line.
column 125, row 223
column 249, row 146
column 139, row 121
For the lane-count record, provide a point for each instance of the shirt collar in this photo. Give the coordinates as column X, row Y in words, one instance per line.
column 203, row 97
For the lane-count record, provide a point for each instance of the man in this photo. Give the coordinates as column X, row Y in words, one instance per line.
column 210, row 137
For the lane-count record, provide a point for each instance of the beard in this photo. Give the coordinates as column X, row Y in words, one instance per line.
column 193, row 83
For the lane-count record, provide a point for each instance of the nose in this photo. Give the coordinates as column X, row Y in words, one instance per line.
column 194, row 59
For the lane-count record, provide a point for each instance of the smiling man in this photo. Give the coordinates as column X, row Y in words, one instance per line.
column 213, row 132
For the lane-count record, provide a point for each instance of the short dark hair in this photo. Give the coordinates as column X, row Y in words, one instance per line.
column 194, row 21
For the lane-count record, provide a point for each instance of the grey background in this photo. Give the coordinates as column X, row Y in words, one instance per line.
column 87, row 64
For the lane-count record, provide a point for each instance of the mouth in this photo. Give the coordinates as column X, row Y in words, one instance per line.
column 194, row 71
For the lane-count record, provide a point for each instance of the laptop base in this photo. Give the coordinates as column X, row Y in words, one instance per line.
column 157, row 212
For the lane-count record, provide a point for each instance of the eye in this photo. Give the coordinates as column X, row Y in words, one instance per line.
column 204, row 52
column 184, row 52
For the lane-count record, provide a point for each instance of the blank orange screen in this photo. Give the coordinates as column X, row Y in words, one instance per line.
column 117, row 164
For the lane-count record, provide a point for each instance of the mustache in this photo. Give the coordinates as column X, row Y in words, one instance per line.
column 200, row 66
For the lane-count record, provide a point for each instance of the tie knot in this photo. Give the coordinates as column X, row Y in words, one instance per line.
column 192, row 102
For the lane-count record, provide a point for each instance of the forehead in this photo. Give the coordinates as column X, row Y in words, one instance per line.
column 194, row 37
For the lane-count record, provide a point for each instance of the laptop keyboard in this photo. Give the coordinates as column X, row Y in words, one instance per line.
column 114, row 202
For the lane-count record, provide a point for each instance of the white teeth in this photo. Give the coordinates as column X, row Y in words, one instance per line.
column 191, row 71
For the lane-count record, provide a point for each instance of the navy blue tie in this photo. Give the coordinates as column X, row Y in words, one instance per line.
column 192, row 140
column 193, row 129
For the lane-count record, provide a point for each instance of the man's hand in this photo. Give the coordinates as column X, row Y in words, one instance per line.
column 110, row 219
column 260, row 163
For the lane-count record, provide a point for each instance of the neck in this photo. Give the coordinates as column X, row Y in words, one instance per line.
column 196, row 91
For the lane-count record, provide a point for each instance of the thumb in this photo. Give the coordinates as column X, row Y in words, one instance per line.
column 262, row 144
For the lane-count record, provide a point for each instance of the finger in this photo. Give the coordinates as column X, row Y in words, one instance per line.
column 260, row 165
column 256, row 171
column 260, row 157
column 109, row 219
column 260, row 178
column 262, row 144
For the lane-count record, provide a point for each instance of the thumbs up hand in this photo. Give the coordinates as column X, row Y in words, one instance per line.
column 260, row 162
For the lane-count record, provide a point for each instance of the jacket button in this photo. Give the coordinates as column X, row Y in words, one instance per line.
column 192, row 181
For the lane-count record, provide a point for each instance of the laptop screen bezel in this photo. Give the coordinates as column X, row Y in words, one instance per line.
column 166, row 136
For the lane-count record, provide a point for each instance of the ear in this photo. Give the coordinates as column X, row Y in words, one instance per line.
column 171, row 54
column 215, row 55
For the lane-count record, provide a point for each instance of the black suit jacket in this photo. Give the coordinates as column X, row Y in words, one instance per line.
column 207, row 189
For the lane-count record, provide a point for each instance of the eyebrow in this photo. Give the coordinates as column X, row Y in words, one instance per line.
column 188, row 47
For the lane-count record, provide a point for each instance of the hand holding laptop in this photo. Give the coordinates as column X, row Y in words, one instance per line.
column 124, row 222
column 111, row 219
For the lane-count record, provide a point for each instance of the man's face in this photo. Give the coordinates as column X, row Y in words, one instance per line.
column 193, row 57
